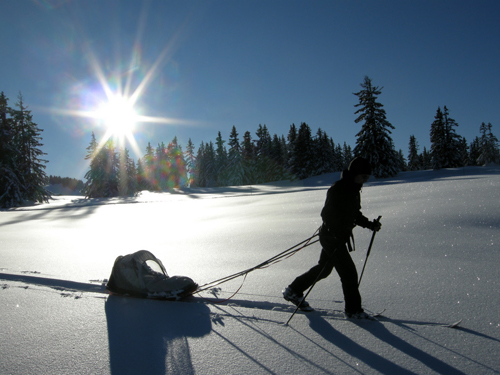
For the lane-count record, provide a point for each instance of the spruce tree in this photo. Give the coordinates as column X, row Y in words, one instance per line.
column 453, row 151
column 373, row 141
column 438, row 141
column 127, row 184
column 102, row 177
column 464, row 152
column 474, row 151
column 149, row 177
column 12, row 189
column 190, row 162
column 31, row 165
column 488, row 146
column 177, row 177
column 445, row 143
column 304, row 153
column 323, row 154
column 426, row 159
column 347, row 155
column 339, row 158
column 248, row 154
column 220, row 160
column 234, row 173
column 413, row 156
column 292, row 157
column 263, row 168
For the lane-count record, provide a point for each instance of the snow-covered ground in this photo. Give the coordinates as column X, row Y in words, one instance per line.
column 435, row 261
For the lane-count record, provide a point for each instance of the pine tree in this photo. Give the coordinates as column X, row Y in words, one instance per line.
column 464, row 152
column 248, row 154
column 177, row 176
column 199, row 176
column 488, row 146
column 339, row 158
column 403, row 166
column 234, row 173
column 102, row 177
column 453, row 140
column 149, row 177
column 142, row 181
column 445, row 143
column 292, row 157
column 127, row 184
column 304, row 153
column 161, row 167
column 190, row 162
column 413, row 156
column 264, row 170
column 323, row 153
column 12, row 189
column 426, row 159
column 438, row 141
column 347, row 155
column 220, row 160
column 31, row 164
column 373, row 141
column 474, row 151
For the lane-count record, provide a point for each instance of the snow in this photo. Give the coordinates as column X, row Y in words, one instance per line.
column 435, row 261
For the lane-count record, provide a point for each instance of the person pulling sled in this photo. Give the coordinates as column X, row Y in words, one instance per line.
column 340, row 214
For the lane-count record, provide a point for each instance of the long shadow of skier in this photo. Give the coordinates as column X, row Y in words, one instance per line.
column 150, row 337
column 381, row 332
column 374, row 360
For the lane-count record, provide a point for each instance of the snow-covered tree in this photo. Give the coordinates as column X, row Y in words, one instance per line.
column 373, row 141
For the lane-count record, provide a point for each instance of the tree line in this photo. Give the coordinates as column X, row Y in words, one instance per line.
column 248, row 160
column 299, row 155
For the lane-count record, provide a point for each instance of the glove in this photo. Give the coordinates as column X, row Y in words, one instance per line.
column 375, row 225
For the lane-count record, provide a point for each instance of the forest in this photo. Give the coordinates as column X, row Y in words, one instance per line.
column 250, row 160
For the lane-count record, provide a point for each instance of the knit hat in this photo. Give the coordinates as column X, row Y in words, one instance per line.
column 359, row 165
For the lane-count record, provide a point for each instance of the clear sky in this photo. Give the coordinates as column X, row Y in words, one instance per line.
column 193, row 68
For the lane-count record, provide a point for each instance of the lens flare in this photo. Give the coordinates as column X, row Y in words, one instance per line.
column 118, row 115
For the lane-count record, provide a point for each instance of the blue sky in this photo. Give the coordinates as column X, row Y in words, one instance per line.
column 200, row 67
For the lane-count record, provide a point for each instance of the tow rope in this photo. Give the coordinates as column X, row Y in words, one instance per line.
column 275, row 259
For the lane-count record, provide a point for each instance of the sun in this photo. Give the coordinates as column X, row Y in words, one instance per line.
column 118, row 116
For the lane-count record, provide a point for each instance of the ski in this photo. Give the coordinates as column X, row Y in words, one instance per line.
column 379, row 313
column 453, row 325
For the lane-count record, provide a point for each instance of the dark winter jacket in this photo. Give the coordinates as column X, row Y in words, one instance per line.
column 342, row 211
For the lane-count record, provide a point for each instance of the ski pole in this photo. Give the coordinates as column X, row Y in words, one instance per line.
column 304, row 298
column 368, row 252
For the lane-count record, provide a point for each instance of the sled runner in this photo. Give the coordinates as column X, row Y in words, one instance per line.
column 141, row 274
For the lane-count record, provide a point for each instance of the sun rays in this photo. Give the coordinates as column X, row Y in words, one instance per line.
column 113, row 97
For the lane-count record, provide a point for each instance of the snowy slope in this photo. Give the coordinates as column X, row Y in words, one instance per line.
column 435, row 261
